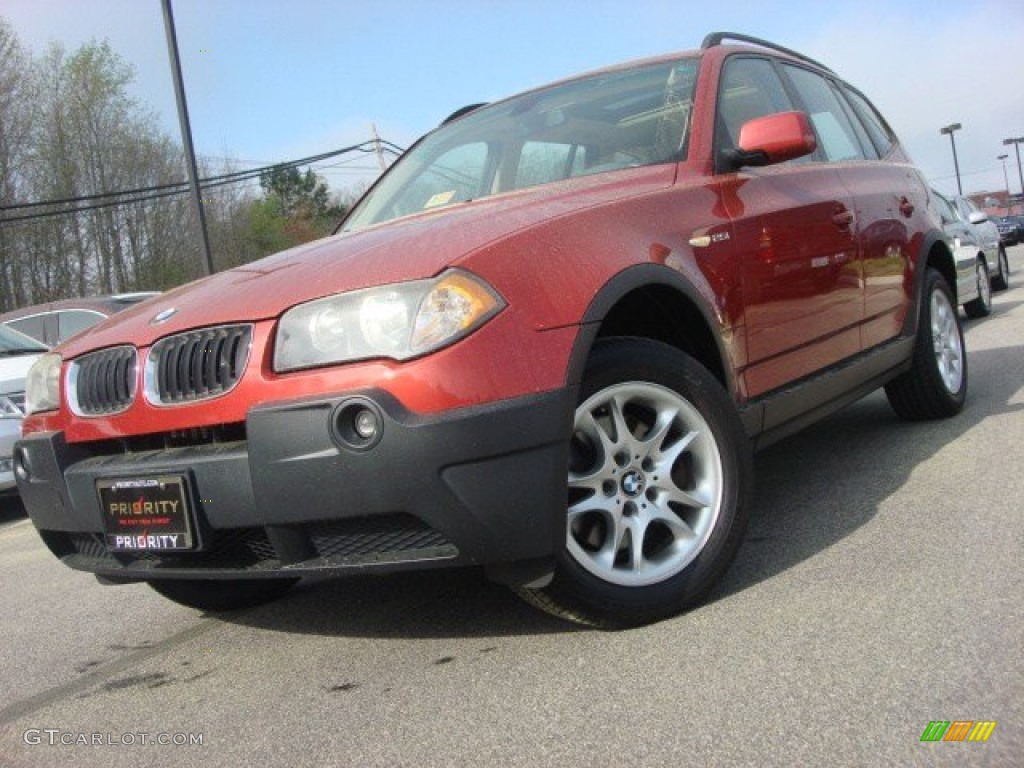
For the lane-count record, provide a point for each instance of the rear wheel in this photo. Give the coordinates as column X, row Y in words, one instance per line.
column 1002, row 279
column 936, row 384
column 221, row 595
column 659, row 483
column 981, row 306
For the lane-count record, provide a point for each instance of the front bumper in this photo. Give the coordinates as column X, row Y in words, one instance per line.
column 481, row 485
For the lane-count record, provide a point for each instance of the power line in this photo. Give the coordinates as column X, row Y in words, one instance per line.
column 142, row 194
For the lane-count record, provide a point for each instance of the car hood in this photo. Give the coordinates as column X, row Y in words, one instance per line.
column 413, row 248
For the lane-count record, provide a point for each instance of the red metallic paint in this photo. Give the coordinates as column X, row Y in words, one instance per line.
column 791, row 288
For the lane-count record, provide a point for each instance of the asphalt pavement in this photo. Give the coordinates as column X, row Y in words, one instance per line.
column 880, row 589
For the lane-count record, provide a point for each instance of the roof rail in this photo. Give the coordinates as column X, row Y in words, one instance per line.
column 716, row 38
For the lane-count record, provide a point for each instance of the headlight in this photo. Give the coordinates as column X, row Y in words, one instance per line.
column 42, row 385
column 397, row 321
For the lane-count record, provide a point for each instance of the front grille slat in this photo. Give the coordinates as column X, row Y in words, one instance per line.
column 197, row 365
column 103, row 382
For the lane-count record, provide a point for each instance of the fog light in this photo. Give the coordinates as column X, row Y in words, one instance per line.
column 6, row 465
column 366, row 424
column 357, row 424
column 21, row 465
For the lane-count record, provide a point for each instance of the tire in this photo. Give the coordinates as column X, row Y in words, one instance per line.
column 936, row 384
column 981, row 306
column 216, row 595
column 1001, row 281
column 660, row 481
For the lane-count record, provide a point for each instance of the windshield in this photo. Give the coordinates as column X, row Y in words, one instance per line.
column 14, row 343
column 600, row 123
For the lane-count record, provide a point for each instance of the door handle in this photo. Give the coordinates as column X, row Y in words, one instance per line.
column 906, row 207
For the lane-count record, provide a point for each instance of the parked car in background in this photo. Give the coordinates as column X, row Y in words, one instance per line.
column 17, row 354
column 544, row 342
column 973, row 285
column 996, row 263
column 1009, row 230
column 57, row 321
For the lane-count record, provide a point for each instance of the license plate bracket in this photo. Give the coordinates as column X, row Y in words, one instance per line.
column 147, row 514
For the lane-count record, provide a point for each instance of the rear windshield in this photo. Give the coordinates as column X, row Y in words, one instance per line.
column 605, row 122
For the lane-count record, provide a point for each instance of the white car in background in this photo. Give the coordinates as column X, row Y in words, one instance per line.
column 17, row 353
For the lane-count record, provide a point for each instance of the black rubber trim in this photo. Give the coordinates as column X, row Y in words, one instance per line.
column 484, row 485
column 791, row 409
column 619, row 286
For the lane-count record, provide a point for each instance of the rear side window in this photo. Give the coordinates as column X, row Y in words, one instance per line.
column 72, row 321
column 31, row 326
column 750, row 88
column 836, row 134
column 879, row 132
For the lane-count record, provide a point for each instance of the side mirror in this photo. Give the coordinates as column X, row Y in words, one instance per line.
column 773, row 139
column 977, row 217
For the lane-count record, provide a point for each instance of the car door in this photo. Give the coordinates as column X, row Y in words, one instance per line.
column 794, row 232
column 890, row 196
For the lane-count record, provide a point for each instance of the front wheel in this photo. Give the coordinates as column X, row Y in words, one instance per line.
column 1002, row 279
column 658, row 488
column 936, row 384
column 981, row 306
column 217, row 595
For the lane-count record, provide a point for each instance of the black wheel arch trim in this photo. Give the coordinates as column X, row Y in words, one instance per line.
column 617, row 288
column 932, row 238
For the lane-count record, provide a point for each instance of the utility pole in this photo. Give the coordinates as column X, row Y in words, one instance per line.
column 186, row 130
column 377, row 147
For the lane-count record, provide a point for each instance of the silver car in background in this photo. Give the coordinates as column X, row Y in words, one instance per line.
column 988, row 238
column 973, row 285
column 17, row 353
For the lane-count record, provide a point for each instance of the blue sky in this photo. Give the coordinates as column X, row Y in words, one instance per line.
column 269, row 80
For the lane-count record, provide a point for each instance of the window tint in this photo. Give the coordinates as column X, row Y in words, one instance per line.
column 72, row 321
column 835, row 132
column 612, row 120
column 750, row 88
column 880, row 134
column 543, row 162
column 30, row 326
column 945, row 208
column 456, row 176
column 864, row 141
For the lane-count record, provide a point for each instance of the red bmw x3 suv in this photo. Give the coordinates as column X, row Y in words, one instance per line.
column 546, row 341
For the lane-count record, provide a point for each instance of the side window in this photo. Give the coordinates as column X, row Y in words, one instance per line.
column 72, row 321
column 541, row 162
column 835, row 131
column 880, row 134
column 945, row 208
column 750, row 88
column 30, row 326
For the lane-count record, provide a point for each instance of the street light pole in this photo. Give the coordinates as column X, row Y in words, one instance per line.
column 186, row 131
column 1016, row 145
column 956, row 166
column 1006, row 179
